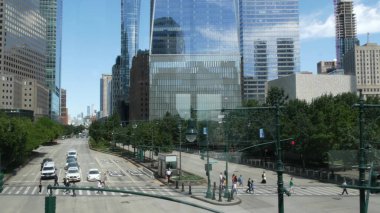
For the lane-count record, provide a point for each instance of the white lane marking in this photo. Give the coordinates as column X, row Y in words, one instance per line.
column 80, row 192
column 11, row 190
column 34, row 190
column 125, row 172
column 168, row 191
column 19, row 190
column 5, row 189
column 141, row 189
column 56, row 191
column 26, row 190
column 88, row 192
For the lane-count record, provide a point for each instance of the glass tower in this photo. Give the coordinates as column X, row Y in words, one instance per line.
column 269, row 43
column 51, row 10
column 194, row 59
column 130, row 13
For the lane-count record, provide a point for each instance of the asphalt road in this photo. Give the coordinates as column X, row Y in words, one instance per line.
column 21, row 194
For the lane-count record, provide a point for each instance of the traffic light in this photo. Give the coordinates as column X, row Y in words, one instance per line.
column 375, row 182
column 293, row 143
column 1, row 182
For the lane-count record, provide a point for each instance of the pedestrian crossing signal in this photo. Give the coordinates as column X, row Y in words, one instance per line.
column 293, row 143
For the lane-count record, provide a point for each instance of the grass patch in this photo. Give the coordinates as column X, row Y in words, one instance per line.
column 186, row 176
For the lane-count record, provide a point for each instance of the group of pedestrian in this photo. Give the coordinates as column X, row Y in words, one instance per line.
column 67, row 184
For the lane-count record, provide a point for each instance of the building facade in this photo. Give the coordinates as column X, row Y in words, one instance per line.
column 51, row 10
column 363, row 63
column 194, row 59
column 105, row 95
column 308, row 86
column 139, row 93
column 346, row 37
column 23, row 56
column 269, row 43
column 325, row 67
column 130, row 13
column 64, row 110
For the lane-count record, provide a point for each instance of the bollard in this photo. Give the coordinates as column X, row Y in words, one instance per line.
column 213, row 191
column 183, row 187
column 176, row 184
column 232, row 194
column 220, row 193
column 229, row 197
column 190, row 188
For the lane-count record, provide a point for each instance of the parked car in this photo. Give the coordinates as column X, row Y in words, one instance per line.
column 73, row 174
column 93, row 175
column 48, row 171
column 44, row 161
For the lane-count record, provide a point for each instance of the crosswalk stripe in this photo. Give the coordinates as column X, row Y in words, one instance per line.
column 26, row 190
column 56, row 192
column 88, row 192
column 19, row 190
column 11, row 190
column 34, row 190
column 80, row 192
column 168, row 191
column 5, row 189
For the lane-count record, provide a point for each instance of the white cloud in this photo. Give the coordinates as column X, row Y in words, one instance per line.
column 367, row 21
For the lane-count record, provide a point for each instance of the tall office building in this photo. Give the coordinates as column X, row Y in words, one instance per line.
column 194, row 58
column 269, row 43
column 51, row 10
column 116, row 90
column 64, row 111
column 105, row 95
column 345, row 29
column 130, row 13
column 23, row 56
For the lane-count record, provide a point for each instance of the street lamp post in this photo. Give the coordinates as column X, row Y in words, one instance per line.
column 208, row 193
column 180, row 150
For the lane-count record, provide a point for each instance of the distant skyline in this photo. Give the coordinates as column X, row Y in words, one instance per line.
column 91, row 41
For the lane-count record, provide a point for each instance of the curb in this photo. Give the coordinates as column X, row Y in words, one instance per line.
column 236, row 201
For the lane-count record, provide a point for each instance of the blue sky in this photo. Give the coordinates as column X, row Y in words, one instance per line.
column 91, row 41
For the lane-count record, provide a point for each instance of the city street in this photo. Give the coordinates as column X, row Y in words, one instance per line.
column 21, row 191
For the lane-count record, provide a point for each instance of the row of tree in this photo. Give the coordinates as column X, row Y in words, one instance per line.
column 310, row 131
column 19, row 136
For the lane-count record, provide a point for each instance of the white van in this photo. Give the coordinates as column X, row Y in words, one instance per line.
column 48, row 170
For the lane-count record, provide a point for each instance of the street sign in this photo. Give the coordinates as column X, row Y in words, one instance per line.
column 209, row 167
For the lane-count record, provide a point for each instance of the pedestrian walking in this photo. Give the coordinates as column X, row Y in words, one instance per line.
column 73, row 185
column 56, row 180
column 240, row 180
column 264, row 178
column 252, row 187
column 234, row 188
column 344, row 184
column 223, row 182
column 291, row 185
column 168, row 174
column 100, row 185
column 221, row 179
column 249, row 186
column 40, row 187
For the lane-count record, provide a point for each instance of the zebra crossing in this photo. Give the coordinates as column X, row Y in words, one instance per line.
column 34, row 191
column 271, row 190
column 302, row 191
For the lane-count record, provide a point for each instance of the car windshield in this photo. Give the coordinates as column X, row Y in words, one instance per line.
column 72, row 153
column 73, row 171
column 94, row 172
column 48, row 168
column 70, row 160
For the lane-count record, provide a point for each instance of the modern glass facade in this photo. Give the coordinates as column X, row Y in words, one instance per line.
column 51, row 10
column 269, row 43
column 130, row 13
column 194, row 59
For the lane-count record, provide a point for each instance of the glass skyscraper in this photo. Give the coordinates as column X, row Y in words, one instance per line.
column 51, row 10
column 269, row 43
column 194, row 59
column 130, row 13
